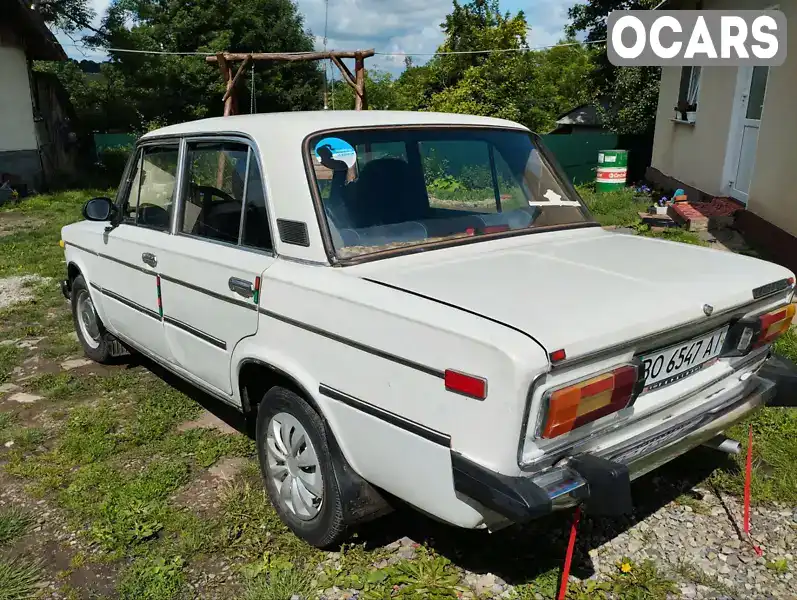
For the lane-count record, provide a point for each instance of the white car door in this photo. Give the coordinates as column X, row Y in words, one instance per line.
column 127, row 277
column 211, row 268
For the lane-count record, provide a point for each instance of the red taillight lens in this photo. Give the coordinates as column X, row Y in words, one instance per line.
column 575, row 405
column 465, row 384
column 773, row 324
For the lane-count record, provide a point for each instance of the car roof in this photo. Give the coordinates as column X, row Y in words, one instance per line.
column 303, row 123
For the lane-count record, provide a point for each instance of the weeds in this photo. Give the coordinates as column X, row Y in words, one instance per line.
column 153, row 579
column 13, row 523
column 786, row 345
column 696, row 575
column 18, row 578
column 774, row 456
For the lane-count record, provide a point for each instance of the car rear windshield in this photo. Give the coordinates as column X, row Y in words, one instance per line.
column 386, row 189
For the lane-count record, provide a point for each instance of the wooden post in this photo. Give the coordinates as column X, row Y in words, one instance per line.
column 355, row 80
column 360, row 102
column 226, row 74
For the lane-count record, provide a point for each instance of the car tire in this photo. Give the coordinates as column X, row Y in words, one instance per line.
column 292, row 482
column 99, row 345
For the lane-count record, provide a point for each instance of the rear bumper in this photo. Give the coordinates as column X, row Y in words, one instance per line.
column 602, row 481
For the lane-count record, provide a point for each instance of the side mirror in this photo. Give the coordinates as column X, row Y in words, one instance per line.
column 99, row 209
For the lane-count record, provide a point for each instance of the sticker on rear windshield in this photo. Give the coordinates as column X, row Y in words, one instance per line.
column 334, row 153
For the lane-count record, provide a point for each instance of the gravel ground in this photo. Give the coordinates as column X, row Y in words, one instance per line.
column 18, row 289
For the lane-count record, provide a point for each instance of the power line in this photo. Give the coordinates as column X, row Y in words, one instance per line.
column 494, row 51
column 497, row 50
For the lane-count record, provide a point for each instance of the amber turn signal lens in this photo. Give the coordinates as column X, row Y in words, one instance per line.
column 576, row 405
column 774, row 324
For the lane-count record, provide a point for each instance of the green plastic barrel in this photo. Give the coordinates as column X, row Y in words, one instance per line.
column 612, row 170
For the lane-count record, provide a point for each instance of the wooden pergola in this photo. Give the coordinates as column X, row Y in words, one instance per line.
column 355, row 80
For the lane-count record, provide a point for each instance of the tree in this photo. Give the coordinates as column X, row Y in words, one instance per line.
column 66, row 15
column 631, row 92
column 167, row 89
column 380, row 88
column 499, row 76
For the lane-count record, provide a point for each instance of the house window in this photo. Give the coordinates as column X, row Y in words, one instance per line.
column 690, row 85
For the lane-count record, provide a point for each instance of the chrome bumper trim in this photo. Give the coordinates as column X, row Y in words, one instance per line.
column 667, row 441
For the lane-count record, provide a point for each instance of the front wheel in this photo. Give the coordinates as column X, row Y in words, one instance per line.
column 98, row 344
column 297, row 468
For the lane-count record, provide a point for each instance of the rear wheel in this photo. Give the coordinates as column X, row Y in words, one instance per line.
column 98, row 344
column 297, row 468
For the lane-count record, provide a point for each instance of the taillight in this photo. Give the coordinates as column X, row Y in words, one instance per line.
column 575, row 405
column 754, row 333
column 773, row 324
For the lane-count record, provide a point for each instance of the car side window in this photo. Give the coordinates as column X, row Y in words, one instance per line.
column 151, row 198
column 129, row 202
column 255, row 232
column 214, row 190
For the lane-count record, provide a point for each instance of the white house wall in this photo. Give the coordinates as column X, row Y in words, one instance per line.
column 17, row 130
column 695, row 155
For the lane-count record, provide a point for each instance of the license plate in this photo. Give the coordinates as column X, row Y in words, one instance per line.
column 671, row 364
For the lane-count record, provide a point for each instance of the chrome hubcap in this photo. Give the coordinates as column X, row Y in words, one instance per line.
column 294, row 467
column 87, row 319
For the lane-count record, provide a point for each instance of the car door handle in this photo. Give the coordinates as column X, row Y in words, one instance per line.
column 242, row 287
column 149, row 258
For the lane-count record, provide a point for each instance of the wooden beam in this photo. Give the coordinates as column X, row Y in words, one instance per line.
column 290, row 56
column 360, row 102
column 344, row 70
column 238, row 73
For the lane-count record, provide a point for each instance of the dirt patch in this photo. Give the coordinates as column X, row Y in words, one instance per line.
column 202, row 494
column 50, row 540
column 11, row 223
column 207, row 420
column 18, row 289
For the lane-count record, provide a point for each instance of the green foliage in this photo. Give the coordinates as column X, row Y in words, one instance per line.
column 630, row 92
column 153, row 579
column 13, row 523
column 170, row 89
column 426, row 576
column 6, row 420
column 780, row 565
column 618, row 207
column 18, row 578
column 9, row 356
column 36, row 250
column 672, row 235
column 774, row 456
column 207, row 446
column 275, row 578
column 786, row 345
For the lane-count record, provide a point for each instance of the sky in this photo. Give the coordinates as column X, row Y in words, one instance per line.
column 410, row 26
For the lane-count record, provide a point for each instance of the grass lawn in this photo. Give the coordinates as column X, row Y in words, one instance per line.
column 104, row 448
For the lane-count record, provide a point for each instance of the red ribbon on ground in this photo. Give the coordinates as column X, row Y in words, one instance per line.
column 571, row 544
column 748, row 475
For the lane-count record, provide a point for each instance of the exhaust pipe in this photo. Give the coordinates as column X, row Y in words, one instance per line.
column 724, row 444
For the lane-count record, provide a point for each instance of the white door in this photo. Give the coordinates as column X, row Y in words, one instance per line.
column 745, row 122
column 130, row 253
column 211, row 268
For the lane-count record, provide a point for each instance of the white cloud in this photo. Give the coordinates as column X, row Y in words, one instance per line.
column 408, row 26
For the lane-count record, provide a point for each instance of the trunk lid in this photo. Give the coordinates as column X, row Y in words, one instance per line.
column 581, row 290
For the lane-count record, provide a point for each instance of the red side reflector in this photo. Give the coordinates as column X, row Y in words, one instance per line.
column 467, row 385
column 495, row 228
column 558, row 355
